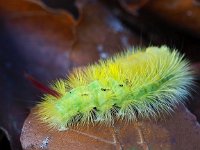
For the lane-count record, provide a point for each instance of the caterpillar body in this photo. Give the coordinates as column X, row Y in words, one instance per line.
column 138, row 83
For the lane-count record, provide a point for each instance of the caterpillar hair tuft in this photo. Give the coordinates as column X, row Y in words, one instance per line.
column 138, row 83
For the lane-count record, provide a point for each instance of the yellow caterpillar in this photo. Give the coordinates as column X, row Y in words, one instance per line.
column 138, row 83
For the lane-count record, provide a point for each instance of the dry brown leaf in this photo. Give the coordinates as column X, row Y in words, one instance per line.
column 183, row 14
column 180, row 131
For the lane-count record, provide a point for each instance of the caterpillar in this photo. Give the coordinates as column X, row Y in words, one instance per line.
column 137, row 83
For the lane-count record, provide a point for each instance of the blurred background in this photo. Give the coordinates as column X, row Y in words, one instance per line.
column 47, row 38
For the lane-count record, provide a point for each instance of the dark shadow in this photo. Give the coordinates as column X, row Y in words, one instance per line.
column 4, row 142
column 68, row 5
column 15, row 91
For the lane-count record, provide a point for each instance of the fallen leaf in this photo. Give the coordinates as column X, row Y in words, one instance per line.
column 180, row 131
column 182, row 14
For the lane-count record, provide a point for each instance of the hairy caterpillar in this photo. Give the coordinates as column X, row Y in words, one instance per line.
column 140, row 83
